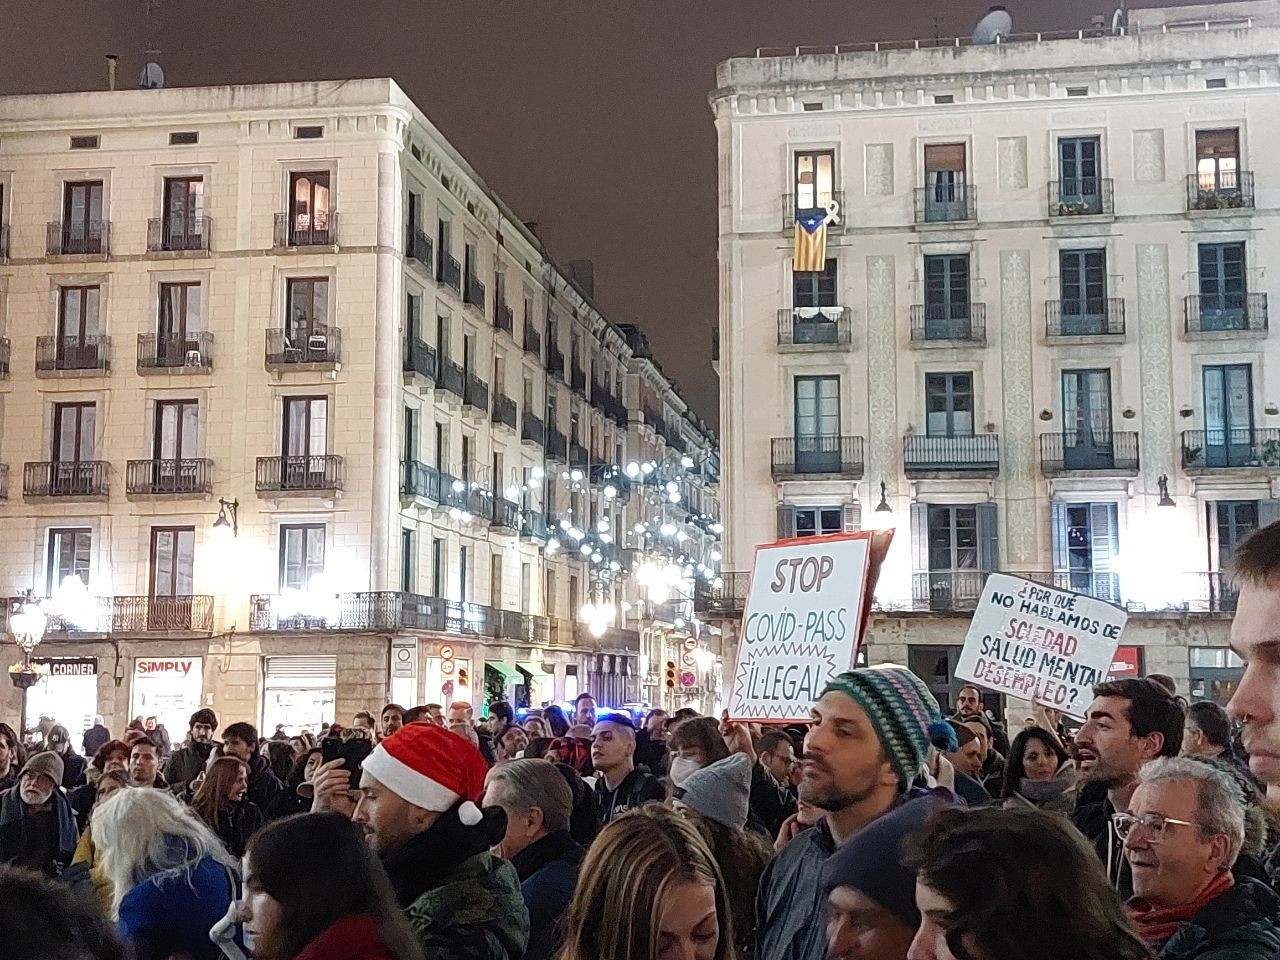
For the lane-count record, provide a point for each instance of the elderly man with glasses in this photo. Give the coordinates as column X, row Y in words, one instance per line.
column 1182, row 833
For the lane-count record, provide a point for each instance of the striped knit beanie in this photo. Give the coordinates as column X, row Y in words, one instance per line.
column 903, row 712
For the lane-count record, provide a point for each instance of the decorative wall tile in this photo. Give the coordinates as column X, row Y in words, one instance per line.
column 1156, row 352
column 1017, row 453
column 882, row 359
column 879, row 169
column 1148, row 156
column 1011, row 159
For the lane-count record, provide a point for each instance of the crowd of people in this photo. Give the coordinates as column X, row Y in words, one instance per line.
column 879, row 830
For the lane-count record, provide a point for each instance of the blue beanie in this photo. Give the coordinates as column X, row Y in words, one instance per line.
column 903, row 712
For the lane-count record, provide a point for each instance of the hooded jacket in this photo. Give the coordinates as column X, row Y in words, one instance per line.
column 263, row 784
column 1242, row 924
column 17, row 822
column 1057, row 795
column 1093, row 819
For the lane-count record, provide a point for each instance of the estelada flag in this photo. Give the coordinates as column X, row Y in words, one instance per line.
column 811, row 239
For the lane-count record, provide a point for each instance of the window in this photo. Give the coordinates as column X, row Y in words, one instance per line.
column 307, row 309
column 814, row 179
column 953, row 538
column 1079, row 172
column 73, row 432
column 949, row 404
column 1218, row 160
column 172, row 558
column 442, row 447
column 304, row 431
column 180, row 317
column 813, row 289
column 308, row 133
column 438, row 586
column 298, row 693
column 413, row 318
column 471, row 263
column 82, row 225
column 1077, row 91
column 817, row 424
column 526, row 587
column 944, row 182
column 183, row 220
column 89, row 142
column 1087, row 442
column 549, row 599
column 78, row 327
column 301, row 554
column 941, row 98
column 495, row 581
column 818, row 521
column 1222, row 286
column 1215, row 83
column 408, row 561
column 946, row 298
column 183, row 138
column 69, row 551
column 176, row 430
column 953, row 550
column 468, row 468
column 309, row 208
column 410, row 451
column 1228, row 416
column 1230, row 522
column 464, row 568
column 443, row 343
column 1082, row 281
column 811, row 107
column 1085, row 545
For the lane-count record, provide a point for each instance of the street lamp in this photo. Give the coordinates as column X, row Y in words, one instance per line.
column 222, row 524
column 883, row 505
column 1165, row 500
column 28, row 624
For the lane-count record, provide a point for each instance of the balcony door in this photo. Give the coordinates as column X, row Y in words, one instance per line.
column 1085, row 546
column 1228, row 415
column 183, row 212
column 944, row 186
column 946, row 298
column 1218, row 160
column 70, row 550
column 1222, row 286
column 817, row 424
column 82, row 217
column 175, row 445
column 74, row 447
column 304, row 442
column 1082, row 280
column 301, row 554
column 1079, row 166
column 308, row 312
column 1087, row 442
column 954, row 549
column 309, row 207
column 78, row 327
column 172, row 582
column 814, row 180
column 815, row 302
column 1230, row 522
column 949, row 404
column 180, row 323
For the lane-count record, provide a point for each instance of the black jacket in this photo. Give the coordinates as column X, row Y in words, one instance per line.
column 636, row 789
column 770, row 802
column 94, row 738
column 1093, row 819
column 548, row 871
column 651, row 754
column 73, row 770
column 263, row 784
column 237, row 822
column 1242, row 924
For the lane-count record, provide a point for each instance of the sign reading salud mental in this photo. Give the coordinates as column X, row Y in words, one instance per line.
column 1039, row 643
column 805, row 612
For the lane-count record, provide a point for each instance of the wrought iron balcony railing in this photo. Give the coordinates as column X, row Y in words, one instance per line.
column 504, row 318
column 420, row 358
column 925, row 454
column 1081, row 196
column 1099, row 451
column 305, row 230
column 1226, row 312
column 452, row 377
column 945, row 203
column 66, row 238
column 475, row 393
column 835, row 197
column 578, row 380
column 1227, row 448
column 186, row 234
column 418, row 479
column 4, row 481
column 1093, row 317
column 318, row 345
column 88, row 354
column 533, row 527
column 532, row 430
column 962, row 322
column 191, row 353
column 4, row 357
column 504, row 410
column 308, row 473
column 814, row 327
column 947, row 591
column 725, row 597
column 555, row 362
column 1227, row 191
column 557, row 446
column 180, row 477
column 505, row 515
column 473, row 293
column 448, row 270
column 532, row 340
column 418, row 246
column 65, row 478
column 825, row 456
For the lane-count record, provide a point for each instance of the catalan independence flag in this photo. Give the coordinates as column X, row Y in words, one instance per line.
column 811, row 239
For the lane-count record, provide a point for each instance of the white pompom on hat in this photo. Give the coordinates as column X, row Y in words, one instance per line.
column 431, row 768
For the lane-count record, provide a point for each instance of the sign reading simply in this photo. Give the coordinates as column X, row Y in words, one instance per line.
column 1040, row 643
column 804, row 616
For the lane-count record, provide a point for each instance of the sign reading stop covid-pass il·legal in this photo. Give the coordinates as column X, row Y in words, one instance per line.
column 803, row 620
column 1039, row 643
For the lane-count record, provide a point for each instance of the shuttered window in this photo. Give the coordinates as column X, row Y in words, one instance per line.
column 944, row 156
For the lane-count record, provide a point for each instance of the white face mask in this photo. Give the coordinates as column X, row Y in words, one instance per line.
column 682, row 768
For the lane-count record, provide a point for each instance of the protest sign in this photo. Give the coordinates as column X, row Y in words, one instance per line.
column 805, row 613
column 1040, row 643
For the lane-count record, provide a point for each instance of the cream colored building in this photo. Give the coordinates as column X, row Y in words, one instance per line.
column 299, row 417
column 1045, row 300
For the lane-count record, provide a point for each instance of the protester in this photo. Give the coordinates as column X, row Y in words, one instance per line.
column 189, row 761
column 158, row 735
column 719, row 796
column 868, row 743
column 1182, row 832
column 871, row 894
column 144, row 764
column 585, row 710
column 651, row 743
column 512, row 743
column 619, row 785
column 42, row 920
column 172, row 879
column 363, row 721
column 12, row 757
column 574, row 752
column 313, row 890
column 1039, row 773
column 111, row 756
column 649, row 889
column 501, row 718
column 280, row 757
column 1255, row 573
column 392, row 717
column 991, row 773
column 95, row 736
column 584, row 822
column 292, row 798
column 240, row 740
column 557, row 722
column 221, row 804
column 1208, row 734
column 966, row 762
column 538, row 802
column 694, row 745
column 772, row 799
column 535, row 727
column 37, row 825
column 86, row 857
column 58, row 741
column 420, row 791
column 331, row 788
column 1130, row 723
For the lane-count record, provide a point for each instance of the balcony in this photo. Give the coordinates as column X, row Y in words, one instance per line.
column 4, row 357
column 603, row 400
column 557, row 446
column 1231, row 191
column 924, row 455
column 448, row 271
column 168, row 478
column 452, row 378
column 178, row 234
column 4, row 242
column 420, row 360
column 88, row 355
column 418, row 246
column 340, row 611
column 1081, row 197
column 532, row 340
column 579, row 458
column 475, row 394
column 301, row 230
column 473, row 293
column 724, row 599
column 948, row 324
column 418, row 479
column 816, row 457
column 4, row 485
column 555, row 362
column 318, row 474
column 1102, row 317
column 504, row 318
column 317, row 349
column 654, row 421
column 464, row 495
column 532, row 430
column 1228, row 314
column 74, row 479
column 1102, row 585
column 504, row 411
column 578, row 380
column 192, row 614
column 947, row 591
column 192, row 353
column 952, row 203
column 533, row 527
column 505, row 517
column 1222, row 448
column 1064, row 453
column 814, row 328
column 789, row 212
column 78, row 238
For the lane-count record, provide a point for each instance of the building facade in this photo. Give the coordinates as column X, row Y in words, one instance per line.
column 1038, row 341
column 297, row 417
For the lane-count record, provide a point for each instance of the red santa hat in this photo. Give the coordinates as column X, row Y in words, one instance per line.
column 431, row 768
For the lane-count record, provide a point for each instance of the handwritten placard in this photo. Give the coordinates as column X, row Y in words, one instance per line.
column 1040, row 643
column 805, row 613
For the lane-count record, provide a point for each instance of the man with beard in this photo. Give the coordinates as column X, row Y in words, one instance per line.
column 187, row 762
column 868, row 744
column 1255, row 572
column 1130, row 723
column 37, row 826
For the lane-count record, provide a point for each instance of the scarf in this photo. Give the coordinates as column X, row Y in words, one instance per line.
column 554, row 846
column 428, row 859
column 1155, row 925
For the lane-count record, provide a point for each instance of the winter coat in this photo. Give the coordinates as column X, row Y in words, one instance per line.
column 1093, row 819
column 771, row 802
column 1242, row 924
column 1057, row 795
column 18, row 842
column 636, row 789
column 160, row 737
column 73, row 770
column 263, row 783
column 172, row 913
column 94, row 738
column 237, row 822
column 791, row 899
column 87, row 855
column 351, row 938
column 185, row 765
column 548, row 872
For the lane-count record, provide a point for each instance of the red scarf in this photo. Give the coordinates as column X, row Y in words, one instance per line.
column 1155, row 925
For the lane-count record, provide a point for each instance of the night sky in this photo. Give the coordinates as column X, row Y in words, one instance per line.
column 588, row 116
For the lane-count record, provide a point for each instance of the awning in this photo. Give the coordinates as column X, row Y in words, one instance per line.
column 533, row 669
column 509, row 674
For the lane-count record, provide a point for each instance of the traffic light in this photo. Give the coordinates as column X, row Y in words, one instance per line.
column 462, row 678
column 671, row 675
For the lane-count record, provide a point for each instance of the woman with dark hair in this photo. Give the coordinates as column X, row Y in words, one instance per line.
column 291, row 799
column 1015, row 884
column 281, row 755
column 12, row 757
column 314, row 890
column 220, row 802
column 1039, row 773
column 695, row 744
column 557, row 722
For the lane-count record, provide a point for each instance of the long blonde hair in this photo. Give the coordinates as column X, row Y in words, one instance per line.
column 144, row 834
column 616, row 912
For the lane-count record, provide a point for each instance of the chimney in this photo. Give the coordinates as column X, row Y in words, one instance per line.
column 111, row 71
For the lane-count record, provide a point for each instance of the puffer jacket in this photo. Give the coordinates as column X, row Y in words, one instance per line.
column 1242, row 924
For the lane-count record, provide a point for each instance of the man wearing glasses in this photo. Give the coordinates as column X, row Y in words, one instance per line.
column 1182, row 832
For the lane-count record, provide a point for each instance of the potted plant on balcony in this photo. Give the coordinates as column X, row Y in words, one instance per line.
column 26, row 675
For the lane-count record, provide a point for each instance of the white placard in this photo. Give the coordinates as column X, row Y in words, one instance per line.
column 802, row 624
column 1040, row 643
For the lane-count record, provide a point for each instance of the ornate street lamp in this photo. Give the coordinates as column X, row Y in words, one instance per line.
column 27, row 623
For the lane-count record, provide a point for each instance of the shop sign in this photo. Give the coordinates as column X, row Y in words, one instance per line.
column 1126, row 663
column 176, row 667
column 69, row 666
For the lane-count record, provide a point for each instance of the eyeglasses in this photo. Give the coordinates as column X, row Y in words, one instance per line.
column 1153, row 823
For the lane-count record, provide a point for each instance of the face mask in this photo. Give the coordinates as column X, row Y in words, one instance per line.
column 682, row 768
